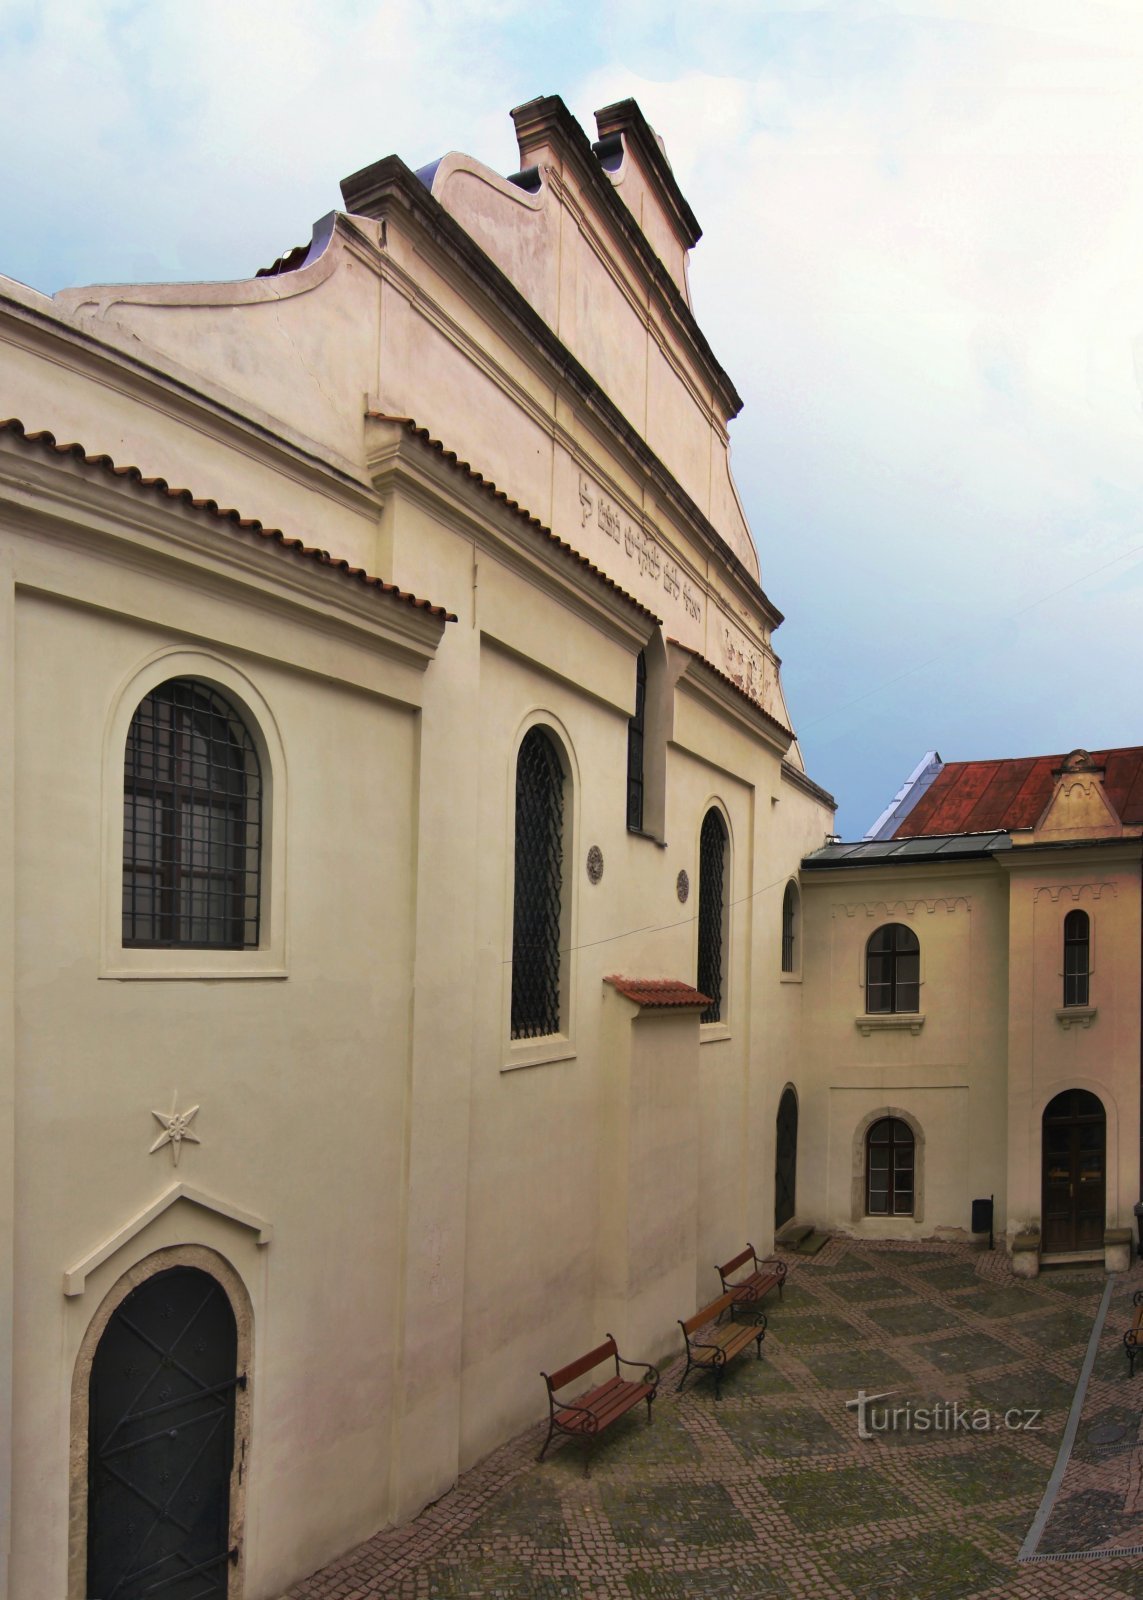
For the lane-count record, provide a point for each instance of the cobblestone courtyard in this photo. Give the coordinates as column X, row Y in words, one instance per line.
column 771, row 1492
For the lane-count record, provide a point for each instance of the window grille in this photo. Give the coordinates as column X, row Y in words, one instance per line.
column 712, row 864
column 636, row 731
column 893, row 970
column 1077, row 952
column 789, row 928
column 538, row 895
column 889, row 1167
column 192, row 823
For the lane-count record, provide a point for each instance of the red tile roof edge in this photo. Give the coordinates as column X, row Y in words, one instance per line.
column 159, row 486
column 737, row 687
column 650, row 992
column 478, row 478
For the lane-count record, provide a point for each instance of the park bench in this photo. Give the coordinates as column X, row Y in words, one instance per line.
column 1131, row 1337
column 759, row 1280
column 590, row 1414
column 720, row 1341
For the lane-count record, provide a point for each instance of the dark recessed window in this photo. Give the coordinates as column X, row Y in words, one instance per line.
column 192, row 822
column 538, row 892
column 789, row 929
column 636, row 733
column 889, row 1169
column 1077, row 958
column 893, row 970
column 712, row 912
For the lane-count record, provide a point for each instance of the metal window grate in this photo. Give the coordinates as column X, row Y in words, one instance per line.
column 192, row 823
column 712, row 861
column 1077, row 964
column 538, row 895
column 636, row 731
column 789, row 916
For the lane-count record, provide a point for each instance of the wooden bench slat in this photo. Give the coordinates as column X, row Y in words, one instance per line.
column 576, row 1369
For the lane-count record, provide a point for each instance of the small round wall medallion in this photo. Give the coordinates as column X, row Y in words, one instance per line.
column 595, row 863
column 682, row 887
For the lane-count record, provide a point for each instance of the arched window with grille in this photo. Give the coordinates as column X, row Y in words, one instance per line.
column 1077, row 958
column 889, row 1169
column 790, row 952
column 192, row 823
column 893, row 970
column 713, row 882
column 636, row 737
column 538, row 891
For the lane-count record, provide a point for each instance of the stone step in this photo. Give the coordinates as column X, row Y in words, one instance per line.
column 791, row 1236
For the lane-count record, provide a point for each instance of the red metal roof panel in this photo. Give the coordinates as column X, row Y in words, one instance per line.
column 982, row 796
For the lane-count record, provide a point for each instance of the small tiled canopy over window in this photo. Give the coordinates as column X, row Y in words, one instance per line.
column 889, row 1169
column 893, row 970
column 711, row 911
column 1077, row 963
column 538, row 892
column 636, row 734
column 192, row 822
column 790, row 929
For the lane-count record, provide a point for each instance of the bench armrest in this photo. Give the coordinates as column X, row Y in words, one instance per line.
column 1137, row 1298
column 591, row 1420
column 650, row 1373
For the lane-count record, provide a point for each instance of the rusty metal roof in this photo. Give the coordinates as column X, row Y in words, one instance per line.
column 982, row 796
column 470, row 472
column 46, row 442
column 653, row 992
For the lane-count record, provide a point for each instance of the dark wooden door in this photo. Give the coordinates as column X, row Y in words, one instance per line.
column 1074, row 1172
column 786, row 1162
column 161, row 1443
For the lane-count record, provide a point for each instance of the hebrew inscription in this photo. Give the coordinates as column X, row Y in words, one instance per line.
column 639, row 546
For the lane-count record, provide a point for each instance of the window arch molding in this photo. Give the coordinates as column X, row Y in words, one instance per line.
column 857, row 1210
column 268, row 960
column 558, row 1046
column 704, row 947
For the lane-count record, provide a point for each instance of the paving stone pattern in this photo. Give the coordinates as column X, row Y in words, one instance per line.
column 770, row 1492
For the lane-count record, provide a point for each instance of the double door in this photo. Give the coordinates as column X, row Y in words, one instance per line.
column 1074, row 1172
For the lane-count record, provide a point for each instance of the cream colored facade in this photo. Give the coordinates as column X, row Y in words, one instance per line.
column 992, row 1043
column 492, row 394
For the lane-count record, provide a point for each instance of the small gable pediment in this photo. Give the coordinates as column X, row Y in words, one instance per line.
column 1079, row 807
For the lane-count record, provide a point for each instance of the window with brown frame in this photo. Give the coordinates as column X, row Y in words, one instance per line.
column 192, row 823
column 889, row 1164
column 1077, row 958
column 893, row 970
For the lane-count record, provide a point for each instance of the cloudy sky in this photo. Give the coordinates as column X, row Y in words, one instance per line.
column 922, row 265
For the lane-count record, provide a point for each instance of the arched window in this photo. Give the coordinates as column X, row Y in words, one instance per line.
column 192, row 822
column 889, row 1169
column 893, row 970
column 636, row 733
column 790, row 929
column 538, row 887
column 1077, row 954
column 712, row 912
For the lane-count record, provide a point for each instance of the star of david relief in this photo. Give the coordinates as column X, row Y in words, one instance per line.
column 176, row 1126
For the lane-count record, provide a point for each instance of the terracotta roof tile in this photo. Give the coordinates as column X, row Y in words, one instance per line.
column 733, row 684
column 43, row 440
column 478, row 478
column 652, row 992
column 983, row 796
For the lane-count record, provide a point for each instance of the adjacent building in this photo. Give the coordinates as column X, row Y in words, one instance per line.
column 975, row 1032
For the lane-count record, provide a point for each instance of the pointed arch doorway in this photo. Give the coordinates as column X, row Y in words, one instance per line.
column 786, row 1159
column 161, row 1442
column 1074, row 1172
